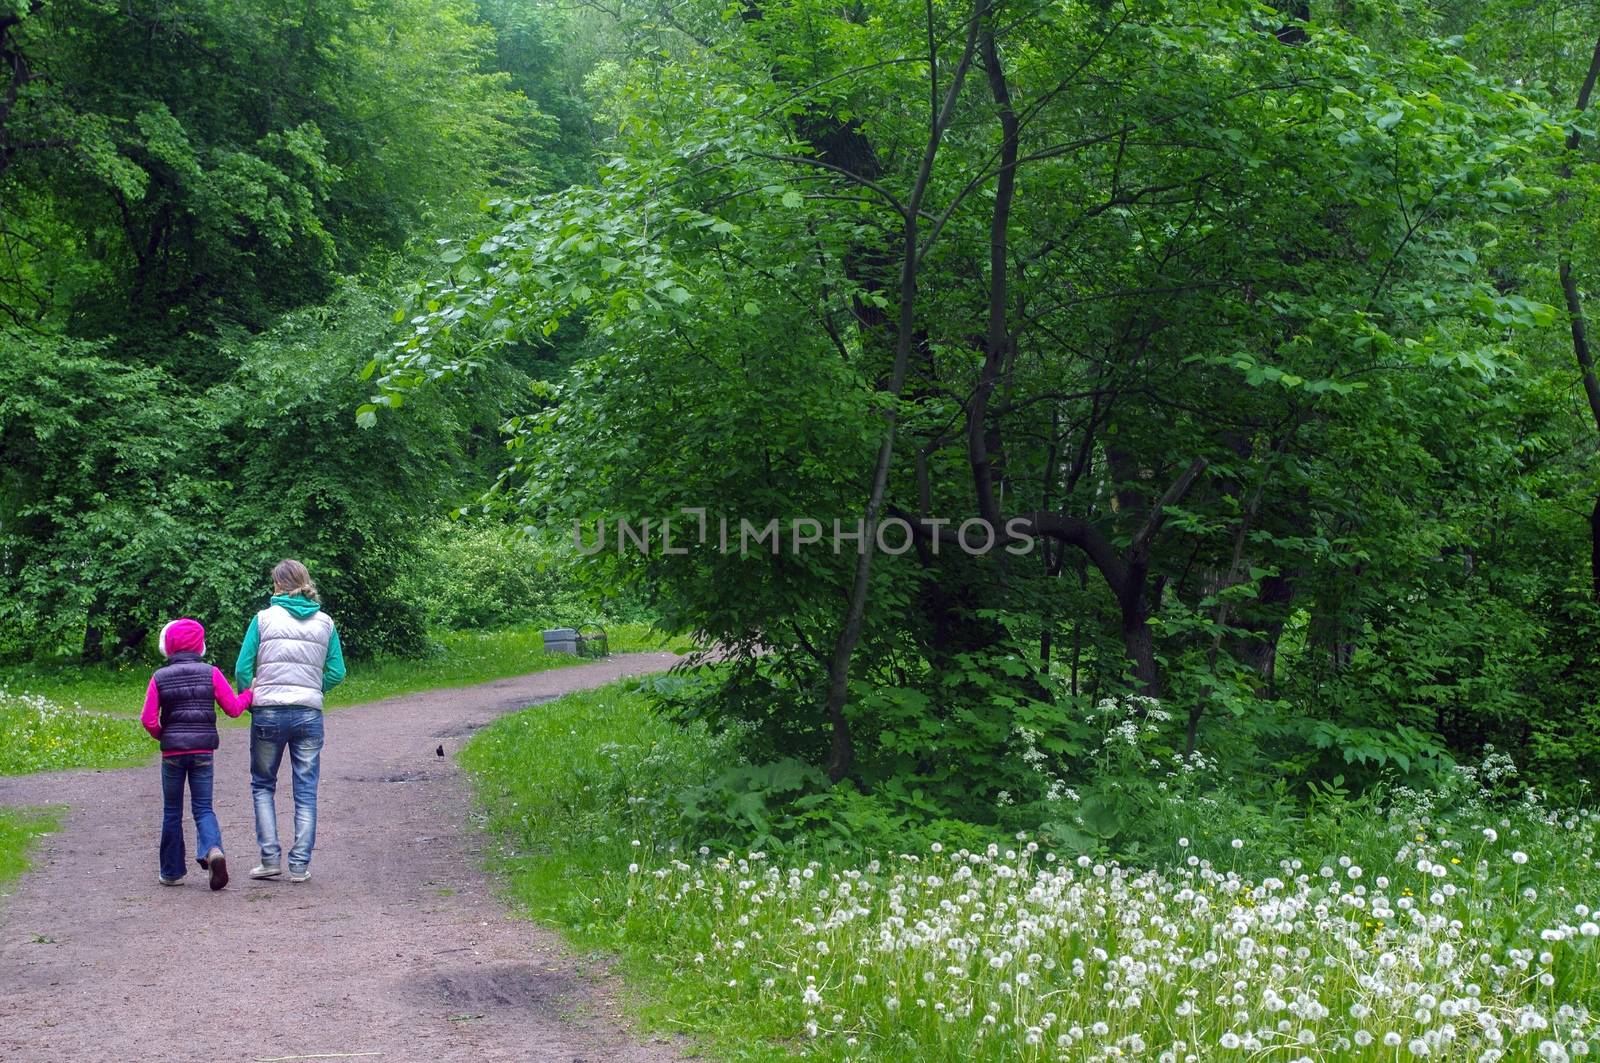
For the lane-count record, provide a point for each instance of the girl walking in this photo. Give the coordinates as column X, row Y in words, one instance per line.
column 180, row 712
column 290, row 658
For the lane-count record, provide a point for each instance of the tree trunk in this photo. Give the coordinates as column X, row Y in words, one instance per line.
column 1580, row 333
column 842, row 751
column 1258, row 651
column 17, row 74
column 1126, row 572
column 1077, row 653
column 1137, row 641
column 94, row 634
column 130, row 637
column 1594, row 547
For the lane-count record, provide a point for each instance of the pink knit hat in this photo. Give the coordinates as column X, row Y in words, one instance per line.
column 183, row 636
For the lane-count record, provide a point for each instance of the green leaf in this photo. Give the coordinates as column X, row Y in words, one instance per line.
column 1100, row 815
column 1069, row 837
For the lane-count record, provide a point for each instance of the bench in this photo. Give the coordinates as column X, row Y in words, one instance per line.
column 590, row 642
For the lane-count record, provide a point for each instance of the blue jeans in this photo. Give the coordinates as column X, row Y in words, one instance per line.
column 271, row 729
column 197, row 769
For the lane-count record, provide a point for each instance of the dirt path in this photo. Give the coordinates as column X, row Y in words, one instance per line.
column 396, row 950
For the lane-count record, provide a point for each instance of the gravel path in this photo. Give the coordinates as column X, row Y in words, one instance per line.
column 396, row 950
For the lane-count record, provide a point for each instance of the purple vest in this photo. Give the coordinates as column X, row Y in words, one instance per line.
column 188, row 705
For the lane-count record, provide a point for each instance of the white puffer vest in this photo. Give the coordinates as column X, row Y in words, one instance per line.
column 290, row 657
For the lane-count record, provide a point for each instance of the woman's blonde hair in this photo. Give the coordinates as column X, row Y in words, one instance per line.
column 291, row 577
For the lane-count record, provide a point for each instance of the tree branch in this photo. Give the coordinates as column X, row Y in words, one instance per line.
column 864, row 182
column 1140, row 546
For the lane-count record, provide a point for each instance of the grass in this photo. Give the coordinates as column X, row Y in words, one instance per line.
column 18, row 829
column 101, row 729
column 570, row 786
column 115, row 689
column 568, row 790
column 42, row 736
column 1445, row 925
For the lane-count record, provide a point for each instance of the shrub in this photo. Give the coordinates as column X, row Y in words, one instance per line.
column 489, row 576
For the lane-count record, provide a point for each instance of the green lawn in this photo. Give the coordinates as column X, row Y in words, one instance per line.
column 71, row 716
column 40, row 735
column 18, row 828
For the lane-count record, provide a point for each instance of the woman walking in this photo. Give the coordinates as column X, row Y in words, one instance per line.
column 290, row 658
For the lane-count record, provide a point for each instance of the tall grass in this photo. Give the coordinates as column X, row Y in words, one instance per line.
column 570, row 786
column 1447, row 926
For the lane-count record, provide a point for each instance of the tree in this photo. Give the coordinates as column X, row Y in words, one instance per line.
column 1086, row 294
column 152, row 182
column 200, row 202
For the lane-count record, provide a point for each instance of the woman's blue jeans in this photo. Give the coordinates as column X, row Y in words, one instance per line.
column 273, row 729
column 196, row 769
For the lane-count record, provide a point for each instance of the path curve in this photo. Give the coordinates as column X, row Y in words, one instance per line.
column 396, row 951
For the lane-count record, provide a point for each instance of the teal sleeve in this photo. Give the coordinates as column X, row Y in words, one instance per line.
column 333, row 667
column 244, row 671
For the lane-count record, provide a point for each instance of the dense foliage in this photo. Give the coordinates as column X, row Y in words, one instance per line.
column 1251, row 316
column 1246, row 340
column 204, row 209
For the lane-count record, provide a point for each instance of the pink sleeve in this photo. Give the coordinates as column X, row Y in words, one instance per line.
column 232, row 704
column 151, row 716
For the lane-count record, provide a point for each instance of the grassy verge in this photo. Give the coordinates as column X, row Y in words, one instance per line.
column 39, row 733
column 18, row 828
column 1444, row 927
column 572, row 791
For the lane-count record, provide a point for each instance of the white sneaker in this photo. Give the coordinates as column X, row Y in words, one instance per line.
column 165, row 881
column 265, row 871
column 303, row 875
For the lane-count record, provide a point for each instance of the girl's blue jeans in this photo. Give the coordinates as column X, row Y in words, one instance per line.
column 196, row 768
column 271, row 731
